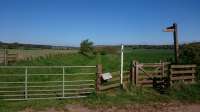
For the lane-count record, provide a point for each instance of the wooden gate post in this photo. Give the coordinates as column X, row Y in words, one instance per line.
column 170, row 74
column 98, row 77
column 132, row 73
column 162, row 68
column 5, row 57
column 193, row 75
column 136, row 73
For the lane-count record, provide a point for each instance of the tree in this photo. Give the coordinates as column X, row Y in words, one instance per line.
column 86, row 47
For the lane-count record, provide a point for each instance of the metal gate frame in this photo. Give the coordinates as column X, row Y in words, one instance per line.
column 5, row 91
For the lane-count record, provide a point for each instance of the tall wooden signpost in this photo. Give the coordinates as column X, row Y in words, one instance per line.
column 174, row 29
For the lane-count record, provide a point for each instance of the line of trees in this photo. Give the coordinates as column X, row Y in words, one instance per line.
column 16, row 45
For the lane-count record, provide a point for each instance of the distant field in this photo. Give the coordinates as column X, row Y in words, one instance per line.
column 111, row 62
column 24, row 54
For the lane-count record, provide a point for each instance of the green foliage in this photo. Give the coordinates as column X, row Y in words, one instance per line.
column 190, row 54
column 86, row 47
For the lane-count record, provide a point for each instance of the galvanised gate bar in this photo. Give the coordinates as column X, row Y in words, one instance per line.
column 46, row 82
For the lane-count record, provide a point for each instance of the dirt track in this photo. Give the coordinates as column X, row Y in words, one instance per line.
column 170, row 107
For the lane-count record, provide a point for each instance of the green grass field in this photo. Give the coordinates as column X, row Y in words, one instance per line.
column 111, row 63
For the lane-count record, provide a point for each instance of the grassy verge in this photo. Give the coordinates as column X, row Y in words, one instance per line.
column 117, row 97
column 182, row 92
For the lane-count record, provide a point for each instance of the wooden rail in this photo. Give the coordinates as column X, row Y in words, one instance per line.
column 6, row 57
column 142, row 74
column 183, row 73
column 112, row 83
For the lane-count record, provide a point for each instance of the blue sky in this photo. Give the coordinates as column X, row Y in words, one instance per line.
column 67, row 22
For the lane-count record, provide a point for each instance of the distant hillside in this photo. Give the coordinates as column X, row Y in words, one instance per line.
column 31, row 46
column 151, row 46
column 148, row 46
column 139, row 46
column 194, row 43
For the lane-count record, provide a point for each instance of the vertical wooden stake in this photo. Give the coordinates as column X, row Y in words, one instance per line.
column 16, row 56
column 170, row 75
column 5, row 56
column 193, row 75
column 132, row 73
column 98, row 77
column 163, row 68
column 136, row 73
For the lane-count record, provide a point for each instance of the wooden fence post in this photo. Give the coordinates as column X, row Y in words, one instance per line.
column 163, row 68
column 170, row 74
column 5, row 57
column 136, row 73
column 98, row 77
column 193, row 74
column 132, row 73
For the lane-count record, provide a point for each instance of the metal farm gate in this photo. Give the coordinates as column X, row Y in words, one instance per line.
column 46, row 82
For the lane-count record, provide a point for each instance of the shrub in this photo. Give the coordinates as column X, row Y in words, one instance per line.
column 190, row 54
column 86, row 47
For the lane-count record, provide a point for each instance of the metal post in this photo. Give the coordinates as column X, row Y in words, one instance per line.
column 63, row 83
column 176, row 45
column 122, row 58
column 26, row 79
